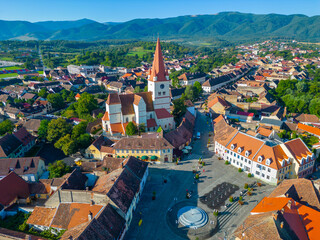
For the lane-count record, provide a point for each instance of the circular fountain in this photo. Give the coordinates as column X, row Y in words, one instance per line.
column 192, row 217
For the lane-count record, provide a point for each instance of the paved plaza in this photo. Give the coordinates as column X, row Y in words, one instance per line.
column 180, row 179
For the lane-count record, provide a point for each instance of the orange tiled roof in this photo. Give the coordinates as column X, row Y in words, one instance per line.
column 117, row 128
column 298, row 148
column 264, row 131
column 268, row 204
column 42, row 216
column 310, row 219
column 275, row 154
column 105, row 116
column 309, row 129
column 246, row 143
column 216, row 100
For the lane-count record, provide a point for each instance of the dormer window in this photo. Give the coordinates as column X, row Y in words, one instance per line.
column 247, row 153
column 239, row 149
column 282, row 163
column 268, row 161
column 232, row 146
column 302, row 162
column 260, row 159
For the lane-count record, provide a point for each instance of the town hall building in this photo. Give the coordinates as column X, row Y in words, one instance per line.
column 152, row 108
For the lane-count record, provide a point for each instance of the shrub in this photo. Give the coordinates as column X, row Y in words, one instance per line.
column 226, row 163
column 197, row 176
column 249, row 175
column 240, row 170
column 240, row 202
column 249, row 193
column 259, row 184
column 215, row 213
column 231, row 199
column 203, row 164
column 246, row 186
column 240, row 198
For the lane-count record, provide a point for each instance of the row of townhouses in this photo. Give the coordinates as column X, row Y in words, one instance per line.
column 265, row 159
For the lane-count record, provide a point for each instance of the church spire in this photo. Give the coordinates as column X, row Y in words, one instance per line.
column 158, row 72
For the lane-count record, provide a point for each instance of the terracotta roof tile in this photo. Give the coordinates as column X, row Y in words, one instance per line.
column 309, row 129
column 162, row 113
column 42, row 216
column 298, row 149
column 106, row 117
column 158, row 69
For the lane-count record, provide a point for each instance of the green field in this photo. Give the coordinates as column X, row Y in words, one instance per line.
column 11, row 68
column 6, row 58
column 139, row 51
column 8, row 75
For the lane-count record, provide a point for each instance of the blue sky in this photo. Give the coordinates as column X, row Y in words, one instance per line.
column 124, row 10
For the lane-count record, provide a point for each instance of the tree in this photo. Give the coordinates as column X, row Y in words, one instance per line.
column 84, row 140
column 6, row 127
column 131, row 129
column 58, row 128
column 78, row 130
column 43, row 129
column 56, row 100
column 137, row 89
column 141, row 128
column 43, row 93
column 179, row 109
column 197, row 88
column 159, row 130
column 188, row 93
column 66, row 144
column 58, row 169
column 86, row 104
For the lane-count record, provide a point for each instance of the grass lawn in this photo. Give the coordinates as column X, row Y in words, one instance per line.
column 40, row 72
column 8, row 75
column 11, row 68
column 139, row 51
column 6, row 58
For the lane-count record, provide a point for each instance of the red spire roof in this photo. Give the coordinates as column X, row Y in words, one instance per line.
column 158, row 69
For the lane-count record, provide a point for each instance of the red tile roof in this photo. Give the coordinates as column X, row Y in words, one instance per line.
column 11, row 187
column 106, row 117
column 162, row 113
column 151, row 123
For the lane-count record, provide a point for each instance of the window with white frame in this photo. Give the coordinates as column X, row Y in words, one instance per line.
column 239, row 149
column 232, row 146
column 260, row 159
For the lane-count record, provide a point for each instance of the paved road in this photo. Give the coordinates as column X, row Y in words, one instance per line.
column 180, row 179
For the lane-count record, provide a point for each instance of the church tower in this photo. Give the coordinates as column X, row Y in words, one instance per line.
column 158, row 81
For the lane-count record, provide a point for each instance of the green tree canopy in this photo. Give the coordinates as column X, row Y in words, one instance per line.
column 6, row 127
column 66, row 144
column 86, row 104
column 58, row 169
column 131, row 129
column 56, row 100
column 43, row 93
column 43, row 129
column 58, row 128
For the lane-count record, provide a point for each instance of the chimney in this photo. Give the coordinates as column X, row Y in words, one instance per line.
column 289, row 204
column 90, row 216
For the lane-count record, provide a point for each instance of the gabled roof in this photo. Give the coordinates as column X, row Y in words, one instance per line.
column 309, row 129
column 8, row 144
column 11, row 187
column 298, row 149
column 24, row 136
column 226, row 132
column 275, row 154
column 127, row 103
column 162, row 113
column 21, row 166
column 218, row 100
column 113, row 98
column 147, row 97
column 303, row 117
column 32, row 125
column 246, row 143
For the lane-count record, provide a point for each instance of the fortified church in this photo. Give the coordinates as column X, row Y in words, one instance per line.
column 149, row 108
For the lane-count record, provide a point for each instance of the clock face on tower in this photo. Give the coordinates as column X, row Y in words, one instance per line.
column 162, row 86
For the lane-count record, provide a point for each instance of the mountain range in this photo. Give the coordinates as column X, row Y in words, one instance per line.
column 230, row 26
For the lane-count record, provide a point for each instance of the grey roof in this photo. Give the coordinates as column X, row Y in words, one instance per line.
column 271, row 121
